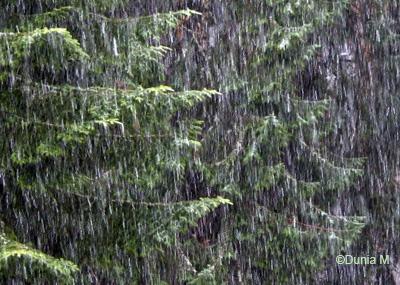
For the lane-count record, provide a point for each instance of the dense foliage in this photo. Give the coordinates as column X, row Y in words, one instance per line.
column 177, row 146
column 277, row 168
column 90, row 145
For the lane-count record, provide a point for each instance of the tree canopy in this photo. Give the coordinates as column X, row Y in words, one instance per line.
column 172, row 143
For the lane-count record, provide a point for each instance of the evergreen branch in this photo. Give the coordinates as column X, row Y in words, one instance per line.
column 318, row 228
column 13, row 250
column 335, row 217
column 292, row 221
column 58, row 11
column 141, row 203
column 65, row 127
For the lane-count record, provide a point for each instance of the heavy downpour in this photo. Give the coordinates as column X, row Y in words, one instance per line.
column 200, row 142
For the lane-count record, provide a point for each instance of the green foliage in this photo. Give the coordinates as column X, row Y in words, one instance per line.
column 16, row 255
column 127, row 172
column 26, row 45
column 204, row 277
column 279, row 161
column 180, row 218
column 92, row 134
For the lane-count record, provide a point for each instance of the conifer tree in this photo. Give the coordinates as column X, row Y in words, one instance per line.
column 276, row 165
column 93, row 155
column 109, row 175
